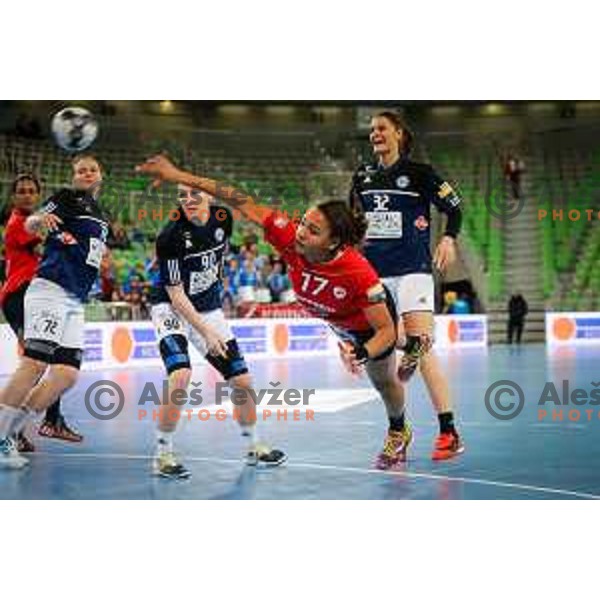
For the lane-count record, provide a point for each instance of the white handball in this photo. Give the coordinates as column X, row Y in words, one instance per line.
column 74, row 128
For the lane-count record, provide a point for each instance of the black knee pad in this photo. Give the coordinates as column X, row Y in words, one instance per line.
column 174, row 353
column 42, row 350
column 68, row 356
column 417, row 346
column 233, row 365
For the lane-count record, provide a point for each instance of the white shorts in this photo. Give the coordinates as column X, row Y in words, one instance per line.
column 168, row 322
column 412, row 293
column 53, row 315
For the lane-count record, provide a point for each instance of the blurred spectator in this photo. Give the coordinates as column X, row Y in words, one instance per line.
column 107, row 278
column 121, row 240
column 513, row 171
column 248, row 276
column 277, row 282
column 449, row 300
column 461, row 306
column 517, row 311
column 228, row 300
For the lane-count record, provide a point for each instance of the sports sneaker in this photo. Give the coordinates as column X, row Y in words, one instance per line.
column 407, row 367
column 60, row 431
column 446, row 446
column 167, row 465
column 9, row 455
column 261, row 455
column 394, row 450
column 23, row 443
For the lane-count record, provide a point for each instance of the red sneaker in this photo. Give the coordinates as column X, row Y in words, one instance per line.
column 447, row 445
column 59, row 430
column 394, row 450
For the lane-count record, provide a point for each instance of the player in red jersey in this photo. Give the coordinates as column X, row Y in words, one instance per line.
column 22, row 261
column 333, row 281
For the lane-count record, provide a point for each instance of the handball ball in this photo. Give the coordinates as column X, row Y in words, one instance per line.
column 74, row 128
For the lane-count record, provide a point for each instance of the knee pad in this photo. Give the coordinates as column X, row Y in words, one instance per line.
column 174, row 353
column 41, row 350
column 232, row 365
column 68, row 356
column 417, row 346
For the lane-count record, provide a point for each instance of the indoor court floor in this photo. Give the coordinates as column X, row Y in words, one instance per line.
column 331, row 456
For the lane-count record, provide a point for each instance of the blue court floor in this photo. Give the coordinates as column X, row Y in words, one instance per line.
column 330, row 457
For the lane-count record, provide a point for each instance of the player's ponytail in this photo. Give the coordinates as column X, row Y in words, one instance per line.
column 348, row 227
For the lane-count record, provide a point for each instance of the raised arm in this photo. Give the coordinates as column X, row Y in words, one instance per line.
column 162, row 169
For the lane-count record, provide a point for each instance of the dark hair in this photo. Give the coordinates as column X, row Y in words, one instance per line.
column 399, row 123
column 346, row 225
column 26, row 177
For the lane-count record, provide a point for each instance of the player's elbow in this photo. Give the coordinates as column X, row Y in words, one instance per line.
column 32, row 224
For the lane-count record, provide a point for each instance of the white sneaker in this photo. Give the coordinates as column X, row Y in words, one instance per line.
column 167, row 465
column 9, row 455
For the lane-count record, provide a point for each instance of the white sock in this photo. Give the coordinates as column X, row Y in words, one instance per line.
column 21, row 420
column 249, row 433
column 9, row 415
column 164, row 440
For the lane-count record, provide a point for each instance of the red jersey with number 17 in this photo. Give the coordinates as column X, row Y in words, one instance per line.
column 336, row 291
column 22, row 259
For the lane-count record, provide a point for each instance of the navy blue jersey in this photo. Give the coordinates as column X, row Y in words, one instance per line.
column 73, row 253
column 396, row 201
column 192, row 255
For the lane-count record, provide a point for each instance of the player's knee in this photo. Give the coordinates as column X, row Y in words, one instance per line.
column 63, row 377
column 390, row 386
column 243, row 381
column 33, row 367
column 180, row 379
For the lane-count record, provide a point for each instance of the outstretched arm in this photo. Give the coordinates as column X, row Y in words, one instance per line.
column 162, row 169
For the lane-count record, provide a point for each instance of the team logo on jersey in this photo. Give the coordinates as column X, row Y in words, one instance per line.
column 188, row 244
column 219, row 234
column 446, row 192
column 339, row 292
column 403, row 182
column 421, row 223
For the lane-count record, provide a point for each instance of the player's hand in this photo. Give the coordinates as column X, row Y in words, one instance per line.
column 349, row 358
column 160, row 168
column 215, row 343
column 445, row 253
column 50, row 222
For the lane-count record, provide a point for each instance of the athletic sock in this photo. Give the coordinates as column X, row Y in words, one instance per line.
column 12, row 419
column 249, row 433
column 446, row 420
column 53, row 413
column 397, row 423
